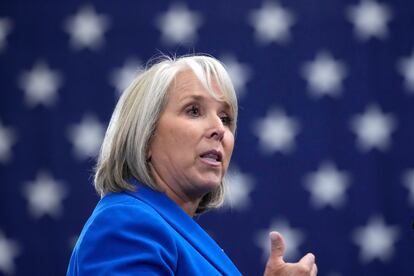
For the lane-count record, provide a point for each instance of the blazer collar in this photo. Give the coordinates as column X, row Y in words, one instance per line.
column 186, row 227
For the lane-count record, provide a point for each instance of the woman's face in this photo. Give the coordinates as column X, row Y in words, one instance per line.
column 193, row 141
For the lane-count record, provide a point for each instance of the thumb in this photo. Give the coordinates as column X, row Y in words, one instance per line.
column 277, row 249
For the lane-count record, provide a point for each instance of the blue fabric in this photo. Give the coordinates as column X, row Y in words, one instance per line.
column 145, row 233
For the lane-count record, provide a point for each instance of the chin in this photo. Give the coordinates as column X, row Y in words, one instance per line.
column 209, row 185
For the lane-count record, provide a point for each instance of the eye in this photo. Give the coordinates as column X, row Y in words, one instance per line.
column 226, row 119
column 193, row 111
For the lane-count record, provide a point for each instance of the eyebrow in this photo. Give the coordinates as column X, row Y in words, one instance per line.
column 194, row 97
column 201, row 97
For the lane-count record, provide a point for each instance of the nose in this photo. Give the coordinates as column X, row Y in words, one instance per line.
column 216, row 129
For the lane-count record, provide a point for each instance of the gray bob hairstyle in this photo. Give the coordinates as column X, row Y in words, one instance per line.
column 125, row 147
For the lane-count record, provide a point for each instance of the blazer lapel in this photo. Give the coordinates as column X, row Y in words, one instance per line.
column 186, row 227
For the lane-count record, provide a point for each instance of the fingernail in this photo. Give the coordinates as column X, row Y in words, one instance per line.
column 312, row 256
column 273, row 235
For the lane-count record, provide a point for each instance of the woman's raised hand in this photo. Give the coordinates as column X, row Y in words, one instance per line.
column 277, row 266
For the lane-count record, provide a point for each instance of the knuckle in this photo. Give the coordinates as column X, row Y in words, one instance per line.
column 315, row 268
column 273, row 268
column 270, row 265
column 304, row 270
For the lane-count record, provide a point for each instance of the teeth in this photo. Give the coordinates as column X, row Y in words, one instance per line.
column 211, row 156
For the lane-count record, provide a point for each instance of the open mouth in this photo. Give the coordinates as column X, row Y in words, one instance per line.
column 212, row 156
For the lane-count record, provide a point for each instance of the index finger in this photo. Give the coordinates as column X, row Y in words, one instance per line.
column 308, row 261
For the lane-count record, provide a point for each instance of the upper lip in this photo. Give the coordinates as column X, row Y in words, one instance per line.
column 214, row 152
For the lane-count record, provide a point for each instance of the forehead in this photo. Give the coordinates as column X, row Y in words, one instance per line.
column 186, row 84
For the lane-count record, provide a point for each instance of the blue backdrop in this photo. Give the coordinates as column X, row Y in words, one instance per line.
column 324, row 148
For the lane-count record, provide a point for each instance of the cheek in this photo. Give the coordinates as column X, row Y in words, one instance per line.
column 182, row 137
column 228, row 147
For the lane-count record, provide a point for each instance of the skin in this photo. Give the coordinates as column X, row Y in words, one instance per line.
column 192, row 123
column 277, row 266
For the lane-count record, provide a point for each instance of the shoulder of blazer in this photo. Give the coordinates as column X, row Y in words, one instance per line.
column 123, row 228
column 120, row 210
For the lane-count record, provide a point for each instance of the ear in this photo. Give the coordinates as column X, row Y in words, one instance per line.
column 148, row 157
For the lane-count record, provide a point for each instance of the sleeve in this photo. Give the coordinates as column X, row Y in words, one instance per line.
column 126, row 240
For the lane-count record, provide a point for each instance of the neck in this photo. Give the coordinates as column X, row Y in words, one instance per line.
column 187, row 204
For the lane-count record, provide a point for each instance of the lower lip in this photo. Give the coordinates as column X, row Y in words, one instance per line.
column 210, row 162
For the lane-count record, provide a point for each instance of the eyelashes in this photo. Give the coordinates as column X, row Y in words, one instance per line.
column 227, row 120
column 194, row 111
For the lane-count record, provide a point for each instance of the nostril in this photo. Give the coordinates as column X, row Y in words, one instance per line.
column 217, row 135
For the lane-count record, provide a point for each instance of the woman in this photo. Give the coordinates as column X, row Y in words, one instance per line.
column 163, row 160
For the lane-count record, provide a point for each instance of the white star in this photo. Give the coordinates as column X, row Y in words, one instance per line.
column 370, row 19
column 327, row 186
column 9, row 250
column 406, row 68
column 408, row 181
column 45, row 195
column 5, row 29
column 293, row 238
column 40, row 85
column 238, row 185
column 7, row 139
column 276, row 132
column 272, row 23
column 122, row 77
column 373, row 128
column 240, row 73
column 179, row 25
column 376, row 240
column 87, row 28
column 324, row 75
column 333, row 273
column 87, row 137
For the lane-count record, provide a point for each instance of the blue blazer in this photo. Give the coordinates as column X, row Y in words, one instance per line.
column 145, row 233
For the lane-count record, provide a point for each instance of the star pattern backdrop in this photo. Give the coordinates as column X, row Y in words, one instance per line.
column 324, row 149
